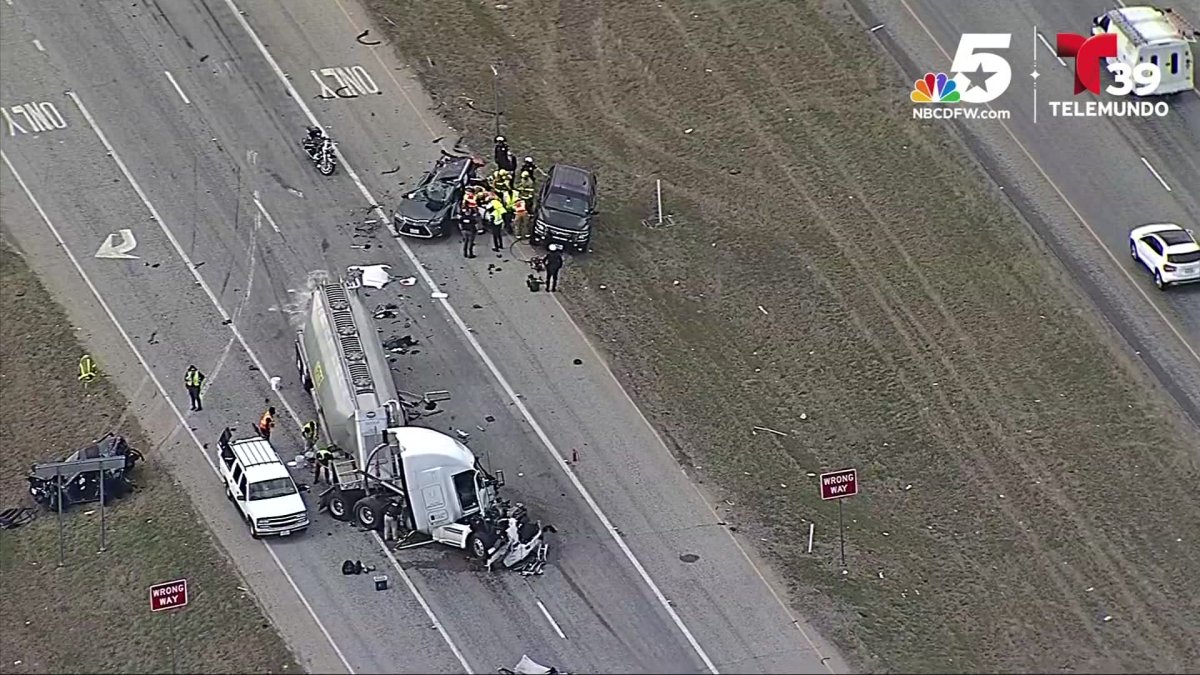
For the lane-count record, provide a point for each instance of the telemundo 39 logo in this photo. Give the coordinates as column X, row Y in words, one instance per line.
column 978, row 74
column 1140, row 79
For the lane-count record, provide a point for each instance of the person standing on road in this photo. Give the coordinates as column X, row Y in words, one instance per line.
column 521, row 220
column 193, row 379
column 497, row 223
column 510, row 209
column 466, row 226
column 266, row 423
column 391, row 520
column 554, row 263
column 504, row 156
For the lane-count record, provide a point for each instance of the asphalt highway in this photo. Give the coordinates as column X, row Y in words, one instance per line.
column 1082, row 182
column 180, row 124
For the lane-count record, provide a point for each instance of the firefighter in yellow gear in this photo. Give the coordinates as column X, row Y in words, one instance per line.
column 526, row 184
column 501, row 180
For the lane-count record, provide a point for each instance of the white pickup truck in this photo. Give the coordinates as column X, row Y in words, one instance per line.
column 259, row 484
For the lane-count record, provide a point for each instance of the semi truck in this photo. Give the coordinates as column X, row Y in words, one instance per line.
column 446, row 495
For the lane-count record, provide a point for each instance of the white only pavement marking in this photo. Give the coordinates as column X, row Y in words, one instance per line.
column 1156, row 174
column 249, row 352
column 177, row 87
column 38, row 43
column 137, row 354
column 263, row 209
column 187, row 260
column 487, row 360
column 412, row 588
column 1150, row 301
column 546, row 613
column 1053, row 51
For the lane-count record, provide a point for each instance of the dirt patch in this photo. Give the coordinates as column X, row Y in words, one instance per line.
column 91, row 616
column 1027, row 499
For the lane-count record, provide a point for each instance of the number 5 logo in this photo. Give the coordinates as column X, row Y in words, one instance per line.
column 982, row 74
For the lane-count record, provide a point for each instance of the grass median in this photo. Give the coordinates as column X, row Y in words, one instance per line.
column 92, row 615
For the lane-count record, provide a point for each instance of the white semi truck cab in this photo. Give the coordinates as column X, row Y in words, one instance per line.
column 446, row 494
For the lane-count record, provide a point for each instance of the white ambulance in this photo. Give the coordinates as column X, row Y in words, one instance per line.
column 1152, row 35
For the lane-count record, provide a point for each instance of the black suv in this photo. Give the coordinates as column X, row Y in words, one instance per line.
column 565, row 206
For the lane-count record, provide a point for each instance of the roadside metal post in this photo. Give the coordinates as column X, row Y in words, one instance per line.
column 170, row 597
column 496, row 97
column 838, row 485
column 102, row 523
column 841, row 532
column 79, row 468
column 658, row 197
column 174, row 663
column 62, row 546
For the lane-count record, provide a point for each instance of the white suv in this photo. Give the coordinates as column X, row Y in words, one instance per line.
column 1169, row 251
column 259, row 484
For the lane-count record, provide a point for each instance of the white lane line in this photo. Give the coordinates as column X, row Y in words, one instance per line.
column 270, row 220
column 1151, row 301
column 546, row 613
column 620, row 387
column 162, row 225
column 177, row 87
column 137, row 354
column 1053, row 51
column 38, row 43
column 1156, row 174
column 237, row 333
column 412, row 588
column 487, row 360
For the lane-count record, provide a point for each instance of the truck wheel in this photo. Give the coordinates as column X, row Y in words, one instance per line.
column 475, row 548
column 368, row 513
column 338, row 508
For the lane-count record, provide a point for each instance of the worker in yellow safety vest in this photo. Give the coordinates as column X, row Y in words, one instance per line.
column 87, row 369
column 510, row 209
column 193, row 379
column 497, row 211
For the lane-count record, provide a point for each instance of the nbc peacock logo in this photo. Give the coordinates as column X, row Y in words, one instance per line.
column 935, row 89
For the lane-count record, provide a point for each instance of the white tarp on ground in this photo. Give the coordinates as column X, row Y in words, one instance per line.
column 373, row 276
column 528, row 666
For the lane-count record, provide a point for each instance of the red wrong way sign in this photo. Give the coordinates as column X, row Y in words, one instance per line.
column 169, row 595
column 838, row 484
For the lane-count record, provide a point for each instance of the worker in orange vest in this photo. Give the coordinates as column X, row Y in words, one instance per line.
column 266, row 423
column 469, row 202
column 520, row 220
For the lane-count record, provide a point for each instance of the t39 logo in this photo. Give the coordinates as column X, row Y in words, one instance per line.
column 1140, row 80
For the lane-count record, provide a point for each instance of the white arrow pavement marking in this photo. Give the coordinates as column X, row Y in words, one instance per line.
column 120, row 251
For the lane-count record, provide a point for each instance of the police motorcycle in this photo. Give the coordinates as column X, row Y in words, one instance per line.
column 319, row 148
